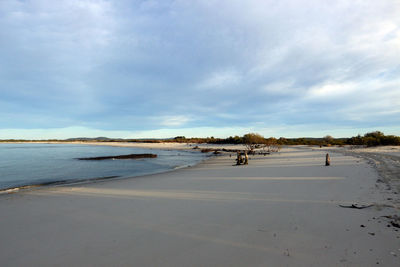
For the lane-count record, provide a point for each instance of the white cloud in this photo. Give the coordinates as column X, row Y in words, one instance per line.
column 172, row 121
column 331, row 90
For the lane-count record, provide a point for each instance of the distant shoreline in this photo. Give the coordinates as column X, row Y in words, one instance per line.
column 159, row 145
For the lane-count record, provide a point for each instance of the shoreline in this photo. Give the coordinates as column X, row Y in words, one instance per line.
column 372, row 155
column 83, row 181
column 67, row 182
column 281, row 209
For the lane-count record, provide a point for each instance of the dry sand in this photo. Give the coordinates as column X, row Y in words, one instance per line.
column 385, row 159
column 280, row 210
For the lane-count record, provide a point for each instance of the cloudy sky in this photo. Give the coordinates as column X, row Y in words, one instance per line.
column 161, row 68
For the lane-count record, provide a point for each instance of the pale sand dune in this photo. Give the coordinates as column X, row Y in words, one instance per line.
column 280, row 210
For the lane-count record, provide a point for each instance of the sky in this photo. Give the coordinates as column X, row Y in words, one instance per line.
column 163, row 68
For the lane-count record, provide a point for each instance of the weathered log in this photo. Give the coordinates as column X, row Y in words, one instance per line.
column 229, row 150
column 207, row 150
column 246, row 158
column 355, row 206
column 239, row 159
column 130, row 156
column 327, row 160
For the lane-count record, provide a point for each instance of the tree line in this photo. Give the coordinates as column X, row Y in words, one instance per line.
column 254, row 140
column 376, row 138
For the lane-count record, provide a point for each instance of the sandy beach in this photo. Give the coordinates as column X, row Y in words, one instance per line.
column 282, row 209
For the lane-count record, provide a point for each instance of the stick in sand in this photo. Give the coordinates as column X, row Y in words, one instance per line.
column 327, row 160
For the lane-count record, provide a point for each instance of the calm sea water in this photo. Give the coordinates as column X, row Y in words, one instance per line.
column 32, row 164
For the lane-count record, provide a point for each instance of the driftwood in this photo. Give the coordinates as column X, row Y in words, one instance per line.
column 395, row 224
column 327, row 160
column 239, row 159
column 229, row 150
column 130, row 156
column 207, row 150
column 354, row 206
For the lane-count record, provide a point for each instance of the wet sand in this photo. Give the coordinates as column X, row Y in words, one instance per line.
column 280, row 210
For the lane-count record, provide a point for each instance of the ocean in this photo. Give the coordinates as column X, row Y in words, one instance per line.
column 46, row 164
